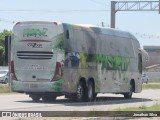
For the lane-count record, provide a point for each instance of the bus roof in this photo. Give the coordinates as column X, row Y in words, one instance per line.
column 98, row 29
column 87, row 27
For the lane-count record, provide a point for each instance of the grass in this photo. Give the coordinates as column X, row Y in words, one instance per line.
column 150, row 86
column 154, row 81
column 125, row 111
column 4, row 88
column 155, row 107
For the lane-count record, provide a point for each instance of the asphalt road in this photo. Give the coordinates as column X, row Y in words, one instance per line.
column 104, row 102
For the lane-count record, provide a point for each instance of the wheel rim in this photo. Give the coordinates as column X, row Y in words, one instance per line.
column 131, row 90
column 90, row 91
column 79, row 91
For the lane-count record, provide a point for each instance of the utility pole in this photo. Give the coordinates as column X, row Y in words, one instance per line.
column 113, row 13
column 132, row 6
column 102, row 24
column 159, row 6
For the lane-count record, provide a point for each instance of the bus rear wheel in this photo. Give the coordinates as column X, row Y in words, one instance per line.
column 48, row 98
column 81, row 92
column 35, row 98
column 91, row 92
column 128, row 95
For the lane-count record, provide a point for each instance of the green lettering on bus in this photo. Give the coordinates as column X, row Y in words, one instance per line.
column 35, row 32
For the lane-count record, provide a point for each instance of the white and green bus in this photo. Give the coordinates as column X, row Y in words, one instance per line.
column 50, row 59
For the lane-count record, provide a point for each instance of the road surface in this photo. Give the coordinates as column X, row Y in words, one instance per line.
column 104, row 102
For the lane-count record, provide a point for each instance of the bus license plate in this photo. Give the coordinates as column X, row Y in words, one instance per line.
column 33, row 85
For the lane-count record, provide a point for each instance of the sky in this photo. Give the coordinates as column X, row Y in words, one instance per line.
column 144, row 25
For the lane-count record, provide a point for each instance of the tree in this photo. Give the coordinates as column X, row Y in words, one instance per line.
column 2, row 45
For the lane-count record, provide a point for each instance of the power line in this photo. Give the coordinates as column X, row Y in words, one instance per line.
column 56, row 11
column 100, row 3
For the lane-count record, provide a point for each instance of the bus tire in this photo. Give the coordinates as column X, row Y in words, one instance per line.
column 128, row 95
column 35, row 98
column 91, row 91
column 48, row 98
column 81, row 92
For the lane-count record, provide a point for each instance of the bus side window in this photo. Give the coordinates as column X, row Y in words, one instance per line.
column 140, row 63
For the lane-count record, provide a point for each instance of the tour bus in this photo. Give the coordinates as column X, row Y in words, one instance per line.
column 50, row 59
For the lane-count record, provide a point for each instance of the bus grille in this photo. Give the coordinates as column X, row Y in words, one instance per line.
column 34, row 55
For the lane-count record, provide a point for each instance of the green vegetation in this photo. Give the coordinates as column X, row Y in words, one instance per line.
column 2, row 45
column 155, row 107
column 154, row 81
column 150, row 86
column 4, row 89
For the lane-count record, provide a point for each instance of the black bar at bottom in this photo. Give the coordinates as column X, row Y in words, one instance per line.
column 22, row 114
